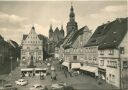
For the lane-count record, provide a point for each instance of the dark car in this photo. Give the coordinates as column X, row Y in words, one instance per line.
column 8, row 87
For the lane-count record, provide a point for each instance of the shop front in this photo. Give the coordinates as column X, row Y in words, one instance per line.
column 102, row 73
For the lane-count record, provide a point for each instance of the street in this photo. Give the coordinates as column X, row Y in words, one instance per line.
column 78, row 82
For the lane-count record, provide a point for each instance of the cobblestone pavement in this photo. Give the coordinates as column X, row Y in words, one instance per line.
column 78, row 82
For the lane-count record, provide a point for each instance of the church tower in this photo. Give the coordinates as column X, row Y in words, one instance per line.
column 72, row 24
column 62, row 32
column 51, row 33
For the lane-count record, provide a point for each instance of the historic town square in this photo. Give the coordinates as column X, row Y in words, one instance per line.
column 64, row 45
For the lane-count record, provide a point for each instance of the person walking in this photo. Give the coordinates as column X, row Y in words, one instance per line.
column 70, row 72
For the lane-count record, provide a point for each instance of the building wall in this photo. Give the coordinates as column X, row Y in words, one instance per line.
column 91, row 55
column 31, row 46
column 124, row 62
column 109, row 59
column 112, row 75
column 78, row 49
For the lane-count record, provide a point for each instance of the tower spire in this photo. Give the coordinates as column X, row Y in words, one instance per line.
column 72, row 14
column 72, row 24
column 61, row 27
column 50, row 26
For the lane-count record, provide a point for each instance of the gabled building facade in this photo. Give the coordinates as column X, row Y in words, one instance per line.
column 74, row 46
column 32, row 49
column 110, row 42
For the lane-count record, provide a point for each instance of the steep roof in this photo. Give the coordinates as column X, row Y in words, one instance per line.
column 60, row 43
column 109, row 35
column 66, row 39
column 74, row 37
column 13, row 43
column 41, row 37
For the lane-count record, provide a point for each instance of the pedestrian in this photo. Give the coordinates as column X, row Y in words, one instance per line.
column 70, row 72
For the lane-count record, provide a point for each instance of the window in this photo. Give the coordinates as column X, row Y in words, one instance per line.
column 39, row 53
column 74, row 57
column 112, row 64
column 101, row 62
column 111, row 52
column 121, row 50
column 102, row 52
column 125, row 64
column 94, row 59
column 28, row 47
column 23, row 53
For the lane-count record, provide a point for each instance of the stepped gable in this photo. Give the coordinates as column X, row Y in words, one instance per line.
column 109, row 35
column 24, row 36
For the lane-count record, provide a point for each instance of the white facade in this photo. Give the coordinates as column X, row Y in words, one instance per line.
column 111, row 59
column 32, row 48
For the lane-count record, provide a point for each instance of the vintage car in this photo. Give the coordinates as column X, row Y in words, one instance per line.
column 21, row 82
column 38, row 87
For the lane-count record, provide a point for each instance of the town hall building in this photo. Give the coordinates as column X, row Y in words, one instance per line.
column 32, row 49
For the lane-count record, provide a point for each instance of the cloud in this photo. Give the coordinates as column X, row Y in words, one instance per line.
column 11, row 21
column 116, row 8
column 55, row 21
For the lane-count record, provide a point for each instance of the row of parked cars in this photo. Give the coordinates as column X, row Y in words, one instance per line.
column 37, row 86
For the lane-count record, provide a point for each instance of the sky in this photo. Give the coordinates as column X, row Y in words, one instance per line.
column 17, row 17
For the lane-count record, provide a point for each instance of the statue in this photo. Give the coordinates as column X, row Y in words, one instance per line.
column 31, row 63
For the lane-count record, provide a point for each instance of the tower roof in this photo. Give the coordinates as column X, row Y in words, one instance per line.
column 32, row 30
column 72, row 14
column 50, row 30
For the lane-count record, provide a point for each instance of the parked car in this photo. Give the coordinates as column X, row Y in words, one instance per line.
column 8, row 87
column 61, row 86
column 38, row 87
column 21, row 82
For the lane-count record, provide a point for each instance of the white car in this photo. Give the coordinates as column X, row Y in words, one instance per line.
column 21, row 82
column 38, row 87
column 56, row 86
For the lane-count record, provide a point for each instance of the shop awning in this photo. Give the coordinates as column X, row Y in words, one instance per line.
column 40, row 68
column 27, row 69
column 75, row 65
column 89, row 69
column 84, row 68
column 93, row 69
column 66, row 64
